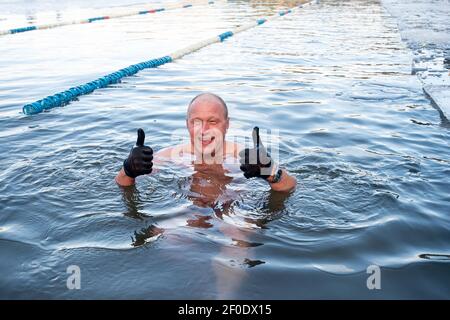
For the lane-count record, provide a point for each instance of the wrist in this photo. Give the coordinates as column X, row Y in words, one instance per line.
column 123, row 180
column 287, row 183
column 276, row 176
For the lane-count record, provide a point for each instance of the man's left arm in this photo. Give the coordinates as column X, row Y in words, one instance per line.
column 257, row 163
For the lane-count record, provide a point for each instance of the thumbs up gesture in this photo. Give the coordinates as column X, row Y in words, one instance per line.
column 140, row 159
column 256, row 162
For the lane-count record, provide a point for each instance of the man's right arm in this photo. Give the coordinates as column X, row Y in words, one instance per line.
column 123, row 180
column 138, row 162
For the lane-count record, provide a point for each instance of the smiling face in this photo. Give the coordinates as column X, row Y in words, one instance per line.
column 207, row 122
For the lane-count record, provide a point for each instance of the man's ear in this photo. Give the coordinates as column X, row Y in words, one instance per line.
column 228, row 123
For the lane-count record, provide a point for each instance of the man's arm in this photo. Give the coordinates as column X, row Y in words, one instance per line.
column 256, row 162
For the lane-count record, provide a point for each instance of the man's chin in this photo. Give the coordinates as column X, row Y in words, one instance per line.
column 206, row 150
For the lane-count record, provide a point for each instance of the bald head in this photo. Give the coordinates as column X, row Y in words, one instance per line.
column 208, row 98
column 207, row 122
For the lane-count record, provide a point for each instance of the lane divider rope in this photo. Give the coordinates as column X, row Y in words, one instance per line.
column 63, row 98
column 90, row 20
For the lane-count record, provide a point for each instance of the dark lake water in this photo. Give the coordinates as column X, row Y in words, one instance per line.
column 369, row 151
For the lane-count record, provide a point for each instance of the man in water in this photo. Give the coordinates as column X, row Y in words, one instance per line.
column 209, row 154
column 207, row 122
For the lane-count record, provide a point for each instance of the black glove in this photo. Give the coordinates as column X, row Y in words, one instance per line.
column 140, row 159
column 256, row 162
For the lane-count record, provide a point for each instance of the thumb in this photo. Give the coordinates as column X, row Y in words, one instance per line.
column 140, row 137
column 256, row 138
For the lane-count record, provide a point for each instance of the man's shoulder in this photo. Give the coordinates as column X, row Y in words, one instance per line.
column 178, row 151
column 170, row 152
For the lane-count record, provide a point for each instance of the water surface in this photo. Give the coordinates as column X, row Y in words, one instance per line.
column 334, row 80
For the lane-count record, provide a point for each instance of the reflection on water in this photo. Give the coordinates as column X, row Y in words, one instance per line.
column 141, row 237
column 211, row 187
column 207, row 187
column 200, row 222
